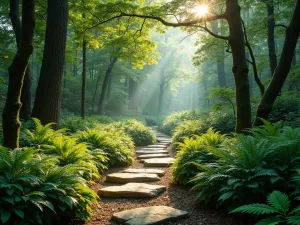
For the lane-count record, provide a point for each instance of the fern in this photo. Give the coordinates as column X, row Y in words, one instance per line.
column 278, row 205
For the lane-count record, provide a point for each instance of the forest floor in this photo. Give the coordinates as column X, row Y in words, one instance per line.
column 177, row 196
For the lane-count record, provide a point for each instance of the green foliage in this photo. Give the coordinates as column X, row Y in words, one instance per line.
column 34, row 190
column 169, row 123
column 194, row 151
column 140, row 134
column 115, row 143
column 69, row 152
column 226, row 94
column 286, row 109
column 279, row 206
column 244, row 169
column 220, row 121
column 40, row 135
column 76, row 123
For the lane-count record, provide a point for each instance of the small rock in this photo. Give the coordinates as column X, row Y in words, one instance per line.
column 145, row 170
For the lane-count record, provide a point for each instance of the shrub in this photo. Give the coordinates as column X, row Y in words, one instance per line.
column 169, row 123
column 246, row 170
column 34, row 190
column 40, row 135
column 219, row 121
column 140, row 134
column 194, row 151
column 69, row 152
column 115, row 143
column 151, row 120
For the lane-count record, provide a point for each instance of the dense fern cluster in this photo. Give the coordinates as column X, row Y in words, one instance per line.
column 47, row 179
column 194, row 150
column 244, row 169
column 140, row 134
column 188, row 123
column 34, row 189
column 115, row 143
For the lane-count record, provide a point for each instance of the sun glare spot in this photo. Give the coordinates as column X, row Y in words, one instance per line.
column 201, row 10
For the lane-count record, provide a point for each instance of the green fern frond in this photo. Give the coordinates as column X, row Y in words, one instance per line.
column 279, row 201
column 255, row 209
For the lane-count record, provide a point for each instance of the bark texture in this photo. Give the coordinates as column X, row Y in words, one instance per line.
column 27, row 82
column 11, row 123
column 84, row 43
column 48, row 94
column 105, row 84
column 264, row 108
column 240, row 69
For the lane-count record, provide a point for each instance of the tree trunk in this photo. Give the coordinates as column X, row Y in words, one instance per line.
column 27, row 82
column 132, row 94
column 105, row 84
column 25, row 112
column 220, row 65
column 292, row 34
column 11, row 123
column 48, row 94
column 240, row 69
column 108, row 89
column 271, row 36
column 83, row 87
column 162, row 81
column 95, row 92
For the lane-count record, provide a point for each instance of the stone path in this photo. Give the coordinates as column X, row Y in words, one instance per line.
column 137, row 184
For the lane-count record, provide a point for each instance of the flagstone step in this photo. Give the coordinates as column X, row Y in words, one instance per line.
column 157, row 146
column 151, row 149
column 123, row 178
column 152, row 152
column 151, row 156
column 132, row 190
column 159, row 162
column 145, row 170
column 153, row 215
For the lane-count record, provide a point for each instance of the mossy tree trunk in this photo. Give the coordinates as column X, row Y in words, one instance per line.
column 48, row 94
column 240, row 69
column 14, row 14
column 264, row 108
column 11, row 123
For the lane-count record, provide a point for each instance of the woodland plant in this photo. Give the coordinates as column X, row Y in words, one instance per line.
column 69, row 152
column 193, row 150
column 115, row 143
column 169, row 123
column 35, row 190
column 278, row 207
column 140, row 134
column 247, row 169
column 219, row 121
column 40, row 135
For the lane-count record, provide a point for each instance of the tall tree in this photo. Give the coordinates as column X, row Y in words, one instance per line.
column 14, row 14
column 11, row 122
column 107, row 75
column 264, row 108
column 83, row 84
column 48, row 94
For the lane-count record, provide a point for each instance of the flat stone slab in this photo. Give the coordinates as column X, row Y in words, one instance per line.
column 153, row 215
column 159, row 162
column 150, row 156
column 157, row 146
column 142, row 152
column 123, row 178
column 153, row 171
column 132, row 190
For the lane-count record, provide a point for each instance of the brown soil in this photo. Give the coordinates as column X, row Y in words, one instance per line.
column 176, row 196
